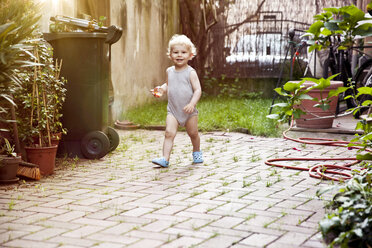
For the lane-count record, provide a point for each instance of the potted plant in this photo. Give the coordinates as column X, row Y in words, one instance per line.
column 18, row 21
column 310, row 102
column 9, row 162
column 335, row 27
column 40, row 99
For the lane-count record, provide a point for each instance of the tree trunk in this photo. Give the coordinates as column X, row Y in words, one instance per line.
column 197, row 19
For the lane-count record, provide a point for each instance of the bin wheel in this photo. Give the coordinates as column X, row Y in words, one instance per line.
column 113, row 137
column 95, row 145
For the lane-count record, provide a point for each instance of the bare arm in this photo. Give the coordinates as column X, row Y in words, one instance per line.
column 162, row 88
column 195, row 83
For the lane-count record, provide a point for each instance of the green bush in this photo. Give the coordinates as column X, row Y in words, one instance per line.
column 349, row 223
column 18, row 21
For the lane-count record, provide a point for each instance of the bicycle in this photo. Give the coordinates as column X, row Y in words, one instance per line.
column 340, row 62
column 363, row 78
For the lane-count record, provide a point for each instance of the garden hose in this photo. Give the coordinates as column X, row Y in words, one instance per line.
column 318, row 171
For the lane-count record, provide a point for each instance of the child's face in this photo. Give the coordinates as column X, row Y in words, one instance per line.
column 180, row 55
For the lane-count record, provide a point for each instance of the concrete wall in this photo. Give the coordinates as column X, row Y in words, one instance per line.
column 139, row 58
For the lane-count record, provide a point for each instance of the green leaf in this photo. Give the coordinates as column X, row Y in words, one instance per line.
column 367, row 103
column 326, row 32
column 328, row 223
column 315, row 80
column 332, row 10
column 297, row 113
column 292, row 86
column 315, row 46
column 273, row 116
column 332, row 76
column 359, row 126
column 280, row 104
column 347, row 97
column 367, row 136
column 363, row 30
column 323, row 106
column 364, row 223
column 315, row 27
column 331, row 25
column 305, row 97
column 366, row 156
column 337, row 91
column 280, row 91
column 364, row 91
column 289, row 112
column 358, row 232
column 323, row 190
column 322, row 84
column 360, row 206
column 6, row 28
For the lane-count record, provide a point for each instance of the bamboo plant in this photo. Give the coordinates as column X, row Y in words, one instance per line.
column 41, row 97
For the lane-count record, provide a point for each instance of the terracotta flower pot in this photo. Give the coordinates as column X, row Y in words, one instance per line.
column 45, row 157
column 310, row 119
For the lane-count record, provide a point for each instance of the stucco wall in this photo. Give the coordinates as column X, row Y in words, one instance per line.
column 139, row 58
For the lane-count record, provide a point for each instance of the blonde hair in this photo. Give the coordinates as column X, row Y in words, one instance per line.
column 180, row 39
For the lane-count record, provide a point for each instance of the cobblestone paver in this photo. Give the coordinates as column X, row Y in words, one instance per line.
column 122, row 200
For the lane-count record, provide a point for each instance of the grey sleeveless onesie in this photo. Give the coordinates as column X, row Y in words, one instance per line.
column 180, row 93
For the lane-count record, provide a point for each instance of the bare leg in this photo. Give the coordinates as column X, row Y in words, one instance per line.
column 192, row 131
column 170, row 134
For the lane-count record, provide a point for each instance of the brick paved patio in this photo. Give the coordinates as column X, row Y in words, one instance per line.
column 122, row 200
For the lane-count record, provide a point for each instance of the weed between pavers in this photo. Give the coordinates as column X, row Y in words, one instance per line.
column 246, row 184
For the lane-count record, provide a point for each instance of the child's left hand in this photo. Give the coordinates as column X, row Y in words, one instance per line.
column 189, row 108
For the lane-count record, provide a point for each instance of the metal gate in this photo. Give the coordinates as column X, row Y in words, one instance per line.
column 258, row 47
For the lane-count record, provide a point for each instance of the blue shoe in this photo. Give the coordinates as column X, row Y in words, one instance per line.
column 161, row 161
column 198, row 157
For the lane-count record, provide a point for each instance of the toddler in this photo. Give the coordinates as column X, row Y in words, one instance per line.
column 184, row 91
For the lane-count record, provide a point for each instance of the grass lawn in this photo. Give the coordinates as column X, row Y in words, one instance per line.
column 216, row 113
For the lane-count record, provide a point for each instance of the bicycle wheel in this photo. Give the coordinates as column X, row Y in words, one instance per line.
column 363, row 78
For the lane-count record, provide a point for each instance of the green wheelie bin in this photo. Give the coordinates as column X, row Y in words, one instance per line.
column 86, row 67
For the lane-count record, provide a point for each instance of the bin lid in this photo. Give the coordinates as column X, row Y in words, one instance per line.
column 113, row 32
column 63, row 35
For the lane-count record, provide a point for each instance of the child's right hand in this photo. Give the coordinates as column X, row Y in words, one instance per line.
column 157, row 91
